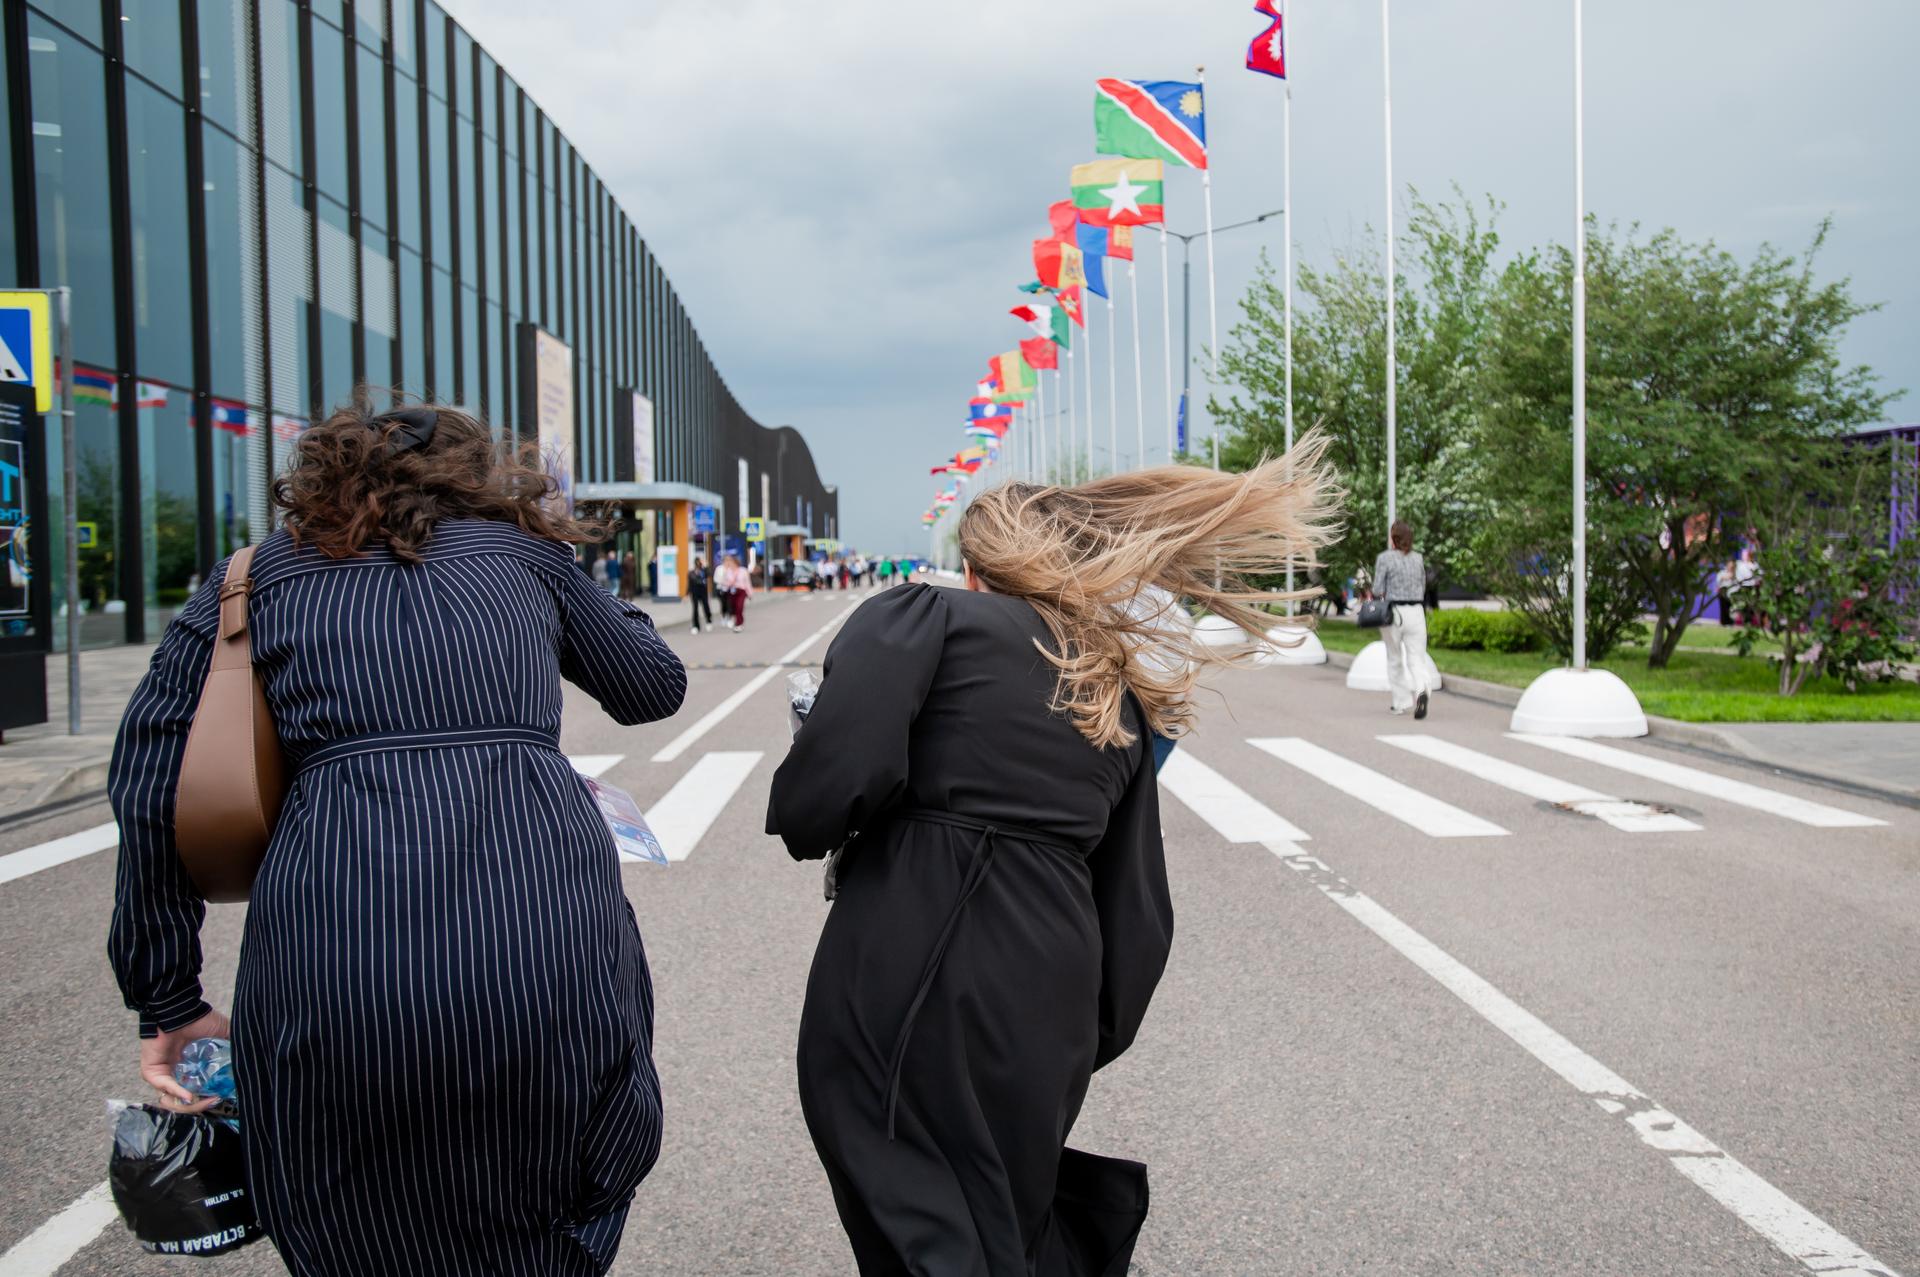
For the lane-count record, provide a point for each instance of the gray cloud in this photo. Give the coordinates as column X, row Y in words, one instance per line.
column 844, row 194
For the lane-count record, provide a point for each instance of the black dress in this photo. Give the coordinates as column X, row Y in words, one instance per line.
column 443, row 1021
column 1001, row 922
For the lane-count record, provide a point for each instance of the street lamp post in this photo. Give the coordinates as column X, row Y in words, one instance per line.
column 1186, row 305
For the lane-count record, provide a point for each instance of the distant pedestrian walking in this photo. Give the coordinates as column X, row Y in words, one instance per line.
column 443, row 1018
column 735, row 584
column 613, row 574
column 697, row 584
column 1001, row 915
column 1400, row 577
column 886, row 573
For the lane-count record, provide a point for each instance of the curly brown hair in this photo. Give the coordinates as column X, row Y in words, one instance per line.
column 347, row 486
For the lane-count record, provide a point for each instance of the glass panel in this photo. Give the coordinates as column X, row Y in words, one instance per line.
column 280, row 82
column 289, row 245
column 70, row 175
column 233, row 255
column 370, row 22
column 169, row 503
column 150, row 37
column 330, row 111
column 233, row 478
column 157, row 190
column 470, row 348
column 373, row 139
column 441, row 385
column 339, row 305
column 406, row 59
column 499, row 406
column 413, row 327
column 463, row 176
column 515, row 302
column 331, row 10
column 490, row 214
column 436, row 50
column 80, row 16
column 226, row 65
column 406, row 158
column 489, row 96
column 376, row 306
column 511, row 124
column 97, row 459
column 437, row 179
column 7, row 244
column 460, row 74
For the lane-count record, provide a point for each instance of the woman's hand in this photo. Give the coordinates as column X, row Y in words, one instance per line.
column 159, row 1054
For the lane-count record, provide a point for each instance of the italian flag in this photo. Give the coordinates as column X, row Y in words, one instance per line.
column 1120, row 192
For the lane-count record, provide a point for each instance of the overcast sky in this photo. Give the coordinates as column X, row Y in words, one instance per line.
column 844, row 194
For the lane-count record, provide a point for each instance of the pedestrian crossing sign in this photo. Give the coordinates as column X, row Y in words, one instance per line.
column 754, row 529
column 26, row 344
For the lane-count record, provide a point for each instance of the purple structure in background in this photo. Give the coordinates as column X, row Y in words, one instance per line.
column 1903, row 481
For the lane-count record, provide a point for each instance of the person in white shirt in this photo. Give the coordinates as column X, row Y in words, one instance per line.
column 1400, row 577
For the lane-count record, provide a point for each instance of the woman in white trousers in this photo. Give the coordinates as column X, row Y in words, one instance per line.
column 1400, row 577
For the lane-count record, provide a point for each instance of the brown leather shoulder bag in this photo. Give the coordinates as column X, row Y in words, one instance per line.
column 233, row 778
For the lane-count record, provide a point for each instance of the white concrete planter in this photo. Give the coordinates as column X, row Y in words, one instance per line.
column 1286, row 645
column 1368, row 673
column 1218, row 631
column 1570, row 702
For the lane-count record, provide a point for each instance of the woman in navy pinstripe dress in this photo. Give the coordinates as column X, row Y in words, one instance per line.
column 443, row 1019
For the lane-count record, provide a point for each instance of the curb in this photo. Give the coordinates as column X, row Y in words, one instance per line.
column 1699, row 738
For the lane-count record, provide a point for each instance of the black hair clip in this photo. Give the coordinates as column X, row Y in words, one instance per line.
column 415, row 427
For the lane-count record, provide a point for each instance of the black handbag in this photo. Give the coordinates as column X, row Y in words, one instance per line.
column 1375, row 613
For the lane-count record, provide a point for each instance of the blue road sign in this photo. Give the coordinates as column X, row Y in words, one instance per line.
column 706, row 518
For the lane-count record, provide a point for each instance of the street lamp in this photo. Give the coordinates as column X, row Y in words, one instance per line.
column 1186, row 291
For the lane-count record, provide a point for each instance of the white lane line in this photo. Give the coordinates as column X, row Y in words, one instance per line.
column 1235, row 815
column 41, row 1252
column 713, row 717
column 1634, row 818
column 1793, row 1230
column 685, row 813
column 591, row 765
column 1771, row 801
column 58, row 852
column 1425, row 813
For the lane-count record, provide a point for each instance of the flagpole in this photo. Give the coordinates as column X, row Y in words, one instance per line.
column 1166, row 328
column 1386, row 66
column 1087, row 311
column 1286, row 224
column 1072, row 440
column 1113, row 383
column 1579, row 347
column 1139, row 389
column 1213, row 298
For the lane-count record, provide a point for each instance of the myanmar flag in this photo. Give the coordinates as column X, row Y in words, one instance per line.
column 1151, row 120
column 1058, row 264
column 1040, row 352
column 1120, row 192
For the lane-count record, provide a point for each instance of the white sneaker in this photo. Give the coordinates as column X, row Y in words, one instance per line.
column 1395, row 709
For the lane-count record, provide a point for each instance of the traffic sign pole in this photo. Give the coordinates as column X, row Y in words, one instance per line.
column 70, row 480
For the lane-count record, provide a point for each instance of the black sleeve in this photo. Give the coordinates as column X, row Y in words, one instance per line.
column 154, row 939
column 849, row 759
column 1136, row 911
column 611, row 649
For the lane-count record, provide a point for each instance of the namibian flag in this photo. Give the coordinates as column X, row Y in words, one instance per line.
column 1058, row 264
column 1151, row 120
column 91, row 385
column 228, row 416
column 1120, row 192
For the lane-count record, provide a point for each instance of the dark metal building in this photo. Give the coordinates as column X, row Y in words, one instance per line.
column 261, row 203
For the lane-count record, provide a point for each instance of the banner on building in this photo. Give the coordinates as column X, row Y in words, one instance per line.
column 546, row 401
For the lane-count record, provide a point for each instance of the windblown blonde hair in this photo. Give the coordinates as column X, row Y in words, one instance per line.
column 1080, row 555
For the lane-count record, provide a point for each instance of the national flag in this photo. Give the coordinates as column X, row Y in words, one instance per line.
column 287, row 429
column 1151, row 120
column 1073, row 305
column 1033, row 286
column 1106, row 241
column 1048, row 321
column 1062, row 216
column 1093, row 244
column 91, row 385
column 148, row 394
column 1040, row 352
column 1268, row 52
column 1120, row 192
column 1016, row 377
column 1058, row 264
column 988, row 388
column 229, row 416
column 987, row 410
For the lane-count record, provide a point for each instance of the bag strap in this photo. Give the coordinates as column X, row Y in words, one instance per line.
column 232, row 649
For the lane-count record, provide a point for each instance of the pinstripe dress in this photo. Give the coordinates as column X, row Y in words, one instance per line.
column 443, row 1018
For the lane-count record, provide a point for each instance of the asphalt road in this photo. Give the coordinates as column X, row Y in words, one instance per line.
column 1404, row 1043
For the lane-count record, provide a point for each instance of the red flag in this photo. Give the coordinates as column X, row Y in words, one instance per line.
column 1040, row 352
column 1063, row 216
column 1069, row 299
column 1268, row 52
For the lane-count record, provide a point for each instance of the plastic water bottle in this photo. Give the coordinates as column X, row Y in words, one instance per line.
column 206, row 1069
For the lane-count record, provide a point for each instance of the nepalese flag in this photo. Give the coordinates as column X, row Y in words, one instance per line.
column 1120, row 192
column 1268, row 52
column 228, row 415
column 91, row 385
column 1040, row 352
column 1151, row 120
column 1093, row 242
column 1058, row 264
column 1061, row 216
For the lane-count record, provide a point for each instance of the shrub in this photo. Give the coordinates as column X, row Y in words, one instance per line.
column 1467, row 630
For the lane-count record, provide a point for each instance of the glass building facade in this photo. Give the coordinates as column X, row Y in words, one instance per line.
column 260, row 204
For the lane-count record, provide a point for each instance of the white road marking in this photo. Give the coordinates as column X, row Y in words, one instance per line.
column 1771, row 801
column 685, row 813
column 1235, row 815
column 1793, row 1230
column 713, row 717
column 1425, row 813
column 58, row 852
column 1634, row 818
column 41, row 1252
column 592, row 765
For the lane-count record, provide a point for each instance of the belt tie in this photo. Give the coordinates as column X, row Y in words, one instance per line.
column 431, row 738
column 983, row 852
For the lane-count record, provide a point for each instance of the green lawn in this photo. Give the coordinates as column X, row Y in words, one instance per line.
column 1698, row 687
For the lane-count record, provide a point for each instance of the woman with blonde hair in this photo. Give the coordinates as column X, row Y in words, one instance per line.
column 1001, row 912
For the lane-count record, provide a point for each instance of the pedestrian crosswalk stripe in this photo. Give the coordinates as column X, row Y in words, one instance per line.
column 58, row 852
column 592, row 765
column 1404, row 803
column 685, row 813
column 42, row 1252
column 1235, row 815
column 1634, row 818
column 1692, row 779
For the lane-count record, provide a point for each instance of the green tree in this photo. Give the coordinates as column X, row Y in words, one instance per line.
column 1702, row 372
column 1339, row 379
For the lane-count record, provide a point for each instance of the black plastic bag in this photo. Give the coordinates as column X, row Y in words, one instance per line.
column 179, row 1180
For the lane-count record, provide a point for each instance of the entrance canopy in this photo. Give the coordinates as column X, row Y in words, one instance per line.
column 645, row 496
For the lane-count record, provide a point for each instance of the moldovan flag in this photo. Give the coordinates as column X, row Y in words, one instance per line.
column 1151, row 120
column 1268, row 52
column 1040, row 352
column 1058, row 264
column 1120, row 192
